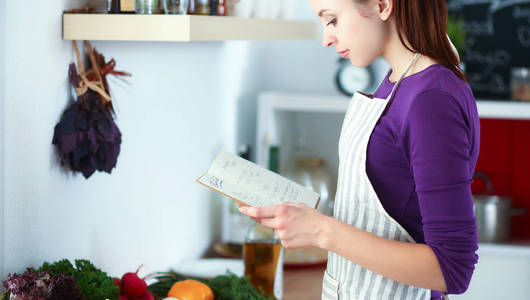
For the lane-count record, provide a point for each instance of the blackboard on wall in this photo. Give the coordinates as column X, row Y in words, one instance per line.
column 497, row 40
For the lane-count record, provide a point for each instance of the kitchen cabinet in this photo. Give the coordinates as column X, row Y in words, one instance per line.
column 284, row 118
column 502, row 272
column 182, row 28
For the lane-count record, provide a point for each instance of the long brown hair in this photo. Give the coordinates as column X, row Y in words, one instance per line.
column 423, row 24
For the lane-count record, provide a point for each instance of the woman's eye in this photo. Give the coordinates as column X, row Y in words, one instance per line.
column 332, row 22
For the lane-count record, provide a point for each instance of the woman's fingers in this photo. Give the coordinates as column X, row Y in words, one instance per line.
column 274, row 223
column 259, row 212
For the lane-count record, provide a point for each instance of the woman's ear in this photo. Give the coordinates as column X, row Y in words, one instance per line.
column 385, row 8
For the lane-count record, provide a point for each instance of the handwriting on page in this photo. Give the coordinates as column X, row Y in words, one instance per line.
column 259, row 181
column 252, row 184
column 214, row 181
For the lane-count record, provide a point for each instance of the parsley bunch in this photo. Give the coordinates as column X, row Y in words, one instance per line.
column 93, row 283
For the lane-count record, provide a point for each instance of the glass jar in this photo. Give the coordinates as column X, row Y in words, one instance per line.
column 147, row 7
column 174, row 7
column 203, row 7
column 263, row 257
column 520, row 84
column 313, row 173
column 101, row 6
column 221, row 8
column 239, row 8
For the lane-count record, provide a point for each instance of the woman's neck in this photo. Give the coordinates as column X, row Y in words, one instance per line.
column 398, row 57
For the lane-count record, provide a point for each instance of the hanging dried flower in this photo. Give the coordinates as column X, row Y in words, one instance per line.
column 86, row 137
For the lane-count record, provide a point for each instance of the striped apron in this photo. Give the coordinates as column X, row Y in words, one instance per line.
column 357, row 204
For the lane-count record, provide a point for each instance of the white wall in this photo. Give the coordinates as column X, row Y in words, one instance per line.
column 2, row 96
column 173, row 121
column 184, row 101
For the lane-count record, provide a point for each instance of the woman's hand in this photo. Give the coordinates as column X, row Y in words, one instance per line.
column 296, row 224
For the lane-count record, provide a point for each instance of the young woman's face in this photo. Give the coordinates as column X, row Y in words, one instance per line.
column 357, row 29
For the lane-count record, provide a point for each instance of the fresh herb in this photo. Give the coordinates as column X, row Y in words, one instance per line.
column 29, row 285
column 232, row 287
column 87, row 138
column 65, row 288
column 93, row 283
column 225, row 287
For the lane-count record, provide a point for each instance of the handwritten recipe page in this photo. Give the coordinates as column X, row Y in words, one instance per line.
column 253, row 185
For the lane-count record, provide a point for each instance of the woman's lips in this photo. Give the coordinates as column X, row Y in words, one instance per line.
column 345, row 53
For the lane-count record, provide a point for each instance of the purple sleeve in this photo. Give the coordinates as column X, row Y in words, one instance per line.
column 437, row 142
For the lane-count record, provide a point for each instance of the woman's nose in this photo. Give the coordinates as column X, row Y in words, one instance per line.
column 328, row 40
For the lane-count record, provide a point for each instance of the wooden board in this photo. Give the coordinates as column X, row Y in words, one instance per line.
column 181, row 28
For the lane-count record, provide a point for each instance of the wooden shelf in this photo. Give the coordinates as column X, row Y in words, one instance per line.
column 181, row 28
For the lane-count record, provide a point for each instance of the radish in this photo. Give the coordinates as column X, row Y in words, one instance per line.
column 117, row 282
column 146, row 296
column 123, row 298
column 132, row 285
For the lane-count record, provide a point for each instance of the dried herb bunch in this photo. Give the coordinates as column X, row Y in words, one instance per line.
column 86, row 137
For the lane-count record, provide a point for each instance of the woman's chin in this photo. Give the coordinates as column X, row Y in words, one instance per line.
column 360, row 62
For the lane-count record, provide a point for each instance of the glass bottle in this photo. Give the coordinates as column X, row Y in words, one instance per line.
column 109, row 6
column 115, row 7
column 127, row 6
column 263, row 256
column 203, row 7
column 213, row 7
column 184, row 6
column 147, row 6
column 263, row 252
column 170, row 7
column 192, row 7
column 221, row 8
column 101, row 6
column 123, row 7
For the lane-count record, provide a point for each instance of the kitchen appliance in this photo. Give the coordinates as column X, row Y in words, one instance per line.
column 493, row 213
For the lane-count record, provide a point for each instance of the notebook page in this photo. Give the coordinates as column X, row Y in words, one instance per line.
column 251, row 184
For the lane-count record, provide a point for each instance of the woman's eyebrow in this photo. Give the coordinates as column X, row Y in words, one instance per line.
column 322, row 12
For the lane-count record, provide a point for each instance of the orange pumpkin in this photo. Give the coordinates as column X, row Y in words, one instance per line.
column 190, row 290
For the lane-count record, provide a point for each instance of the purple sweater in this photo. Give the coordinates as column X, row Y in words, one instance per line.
column 420, row 161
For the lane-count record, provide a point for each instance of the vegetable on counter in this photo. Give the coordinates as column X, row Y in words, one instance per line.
column 61, row 281
column 190, row 290
column 224, row 287
column 133, row 287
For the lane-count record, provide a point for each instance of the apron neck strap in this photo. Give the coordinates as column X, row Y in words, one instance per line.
column 412, row 62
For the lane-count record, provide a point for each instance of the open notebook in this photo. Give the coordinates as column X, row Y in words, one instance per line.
column 250, row 184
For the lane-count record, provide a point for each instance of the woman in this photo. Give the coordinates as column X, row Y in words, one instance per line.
column 403, row 224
